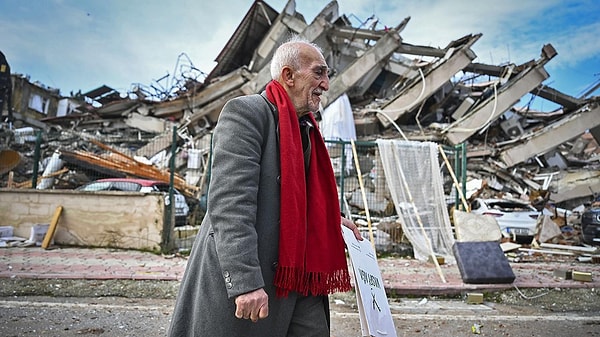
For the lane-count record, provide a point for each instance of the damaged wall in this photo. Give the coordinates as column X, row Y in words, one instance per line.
column 98, row 219
column 33, row 100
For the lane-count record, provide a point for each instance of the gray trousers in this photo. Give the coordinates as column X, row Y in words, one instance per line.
column 311, row 317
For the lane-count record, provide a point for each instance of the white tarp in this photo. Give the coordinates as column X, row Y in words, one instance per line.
column 338, row 124
column 338, row 120
column 412, row 172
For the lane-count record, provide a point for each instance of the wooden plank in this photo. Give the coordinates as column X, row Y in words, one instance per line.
column 590, row 250
column 52, row 228
column 542, row 251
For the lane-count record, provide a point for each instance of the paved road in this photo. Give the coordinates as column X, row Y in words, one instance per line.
column 121, row 317
column 126, row 293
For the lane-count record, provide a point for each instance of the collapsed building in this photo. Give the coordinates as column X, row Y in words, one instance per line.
column 396, row 90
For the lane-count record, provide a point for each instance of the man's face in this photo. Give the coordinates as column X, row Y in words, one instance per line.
column 311, row 80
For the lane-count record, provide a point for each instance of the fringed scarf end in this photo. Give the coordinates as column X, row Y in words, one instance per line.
column 316, row 283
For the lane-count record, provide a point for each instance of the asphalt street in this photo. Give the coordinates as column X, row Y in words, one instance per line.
column 122, row 317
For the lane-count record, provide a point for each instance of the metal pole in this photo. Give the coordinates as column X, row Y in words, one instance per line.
column 456, row 183
column 172, row 174
column 36, row 159
column 169, row 213
column 463, row 170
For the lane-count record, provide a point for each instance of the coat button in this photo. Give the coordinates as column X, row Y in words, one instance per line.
column 228, row 279
column 226, row 274
column 274, row 266
column 229, row 285
column 279, row 179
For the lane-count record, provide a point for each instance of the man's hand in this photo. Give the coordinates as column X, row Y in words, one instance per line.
column 350, row 224
column 253, row 305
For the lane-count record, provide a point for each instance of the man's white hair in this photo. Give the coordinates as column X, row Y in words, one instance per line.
column 288, row 54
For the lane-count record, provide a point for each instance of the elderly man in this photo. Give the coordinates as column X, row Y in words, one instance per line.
column 270, row 248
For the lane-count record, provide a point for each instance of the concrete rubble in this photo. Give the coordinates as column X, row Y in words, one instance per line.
column 397, row 89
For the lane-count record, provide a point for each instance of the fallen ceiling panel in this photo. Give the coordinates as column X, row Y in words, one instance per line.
column 421, row 89
column 503, row 97
column 553, row 135
column 381, row 51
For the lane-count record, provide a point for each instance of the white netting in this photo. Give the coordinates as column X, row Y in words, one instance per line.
column 412, row 172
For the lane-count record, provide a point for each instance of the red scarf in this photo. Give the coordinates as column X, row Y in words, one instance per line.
column 311, row 246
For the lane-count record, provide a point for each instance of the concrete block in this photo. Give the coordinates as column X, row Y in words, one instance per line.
column 474, row 298
column 582, row 276
column 564, row 274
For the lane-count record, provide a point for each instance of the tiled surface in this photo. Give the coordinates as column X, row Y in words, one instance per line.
column 77, row 263
column 401, row 276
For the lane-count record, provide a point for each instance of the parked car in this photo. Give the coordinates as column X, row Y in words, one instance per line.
column 590, row 223
column 514, row 217
column 142, row 185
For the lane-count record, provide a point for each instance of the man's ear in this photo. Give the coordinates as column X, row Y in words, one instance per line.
column 287, row 74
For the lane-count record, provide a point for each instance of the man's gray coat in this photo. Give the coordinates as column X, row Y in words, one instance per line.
column 236, row 249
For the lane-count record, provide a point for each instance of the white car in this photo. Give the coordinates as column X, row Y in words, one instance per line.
column 142, row 185
column 514, row 217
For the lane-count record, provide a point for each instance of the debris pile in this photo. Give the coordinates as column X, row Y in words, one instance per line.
column 397, row 90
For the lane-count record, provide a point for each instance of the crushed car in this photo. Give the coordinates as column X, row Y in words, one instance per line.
column 516, row 219
column 145, row 186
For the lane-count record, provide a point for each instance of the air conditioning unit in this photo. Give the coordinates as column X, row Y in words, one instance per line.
column 512, row 127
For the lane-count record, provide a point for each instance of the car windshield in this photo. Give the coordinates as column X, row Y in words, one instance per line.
column 162, row 187
column 507, row 206
column 113, row 186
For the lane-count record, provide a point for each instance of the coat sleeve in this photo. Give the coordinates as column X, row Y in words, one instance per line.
column 233, row 192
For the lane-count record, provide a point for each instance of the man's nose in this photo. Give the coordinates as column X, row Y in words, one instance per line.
column 325, row 83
